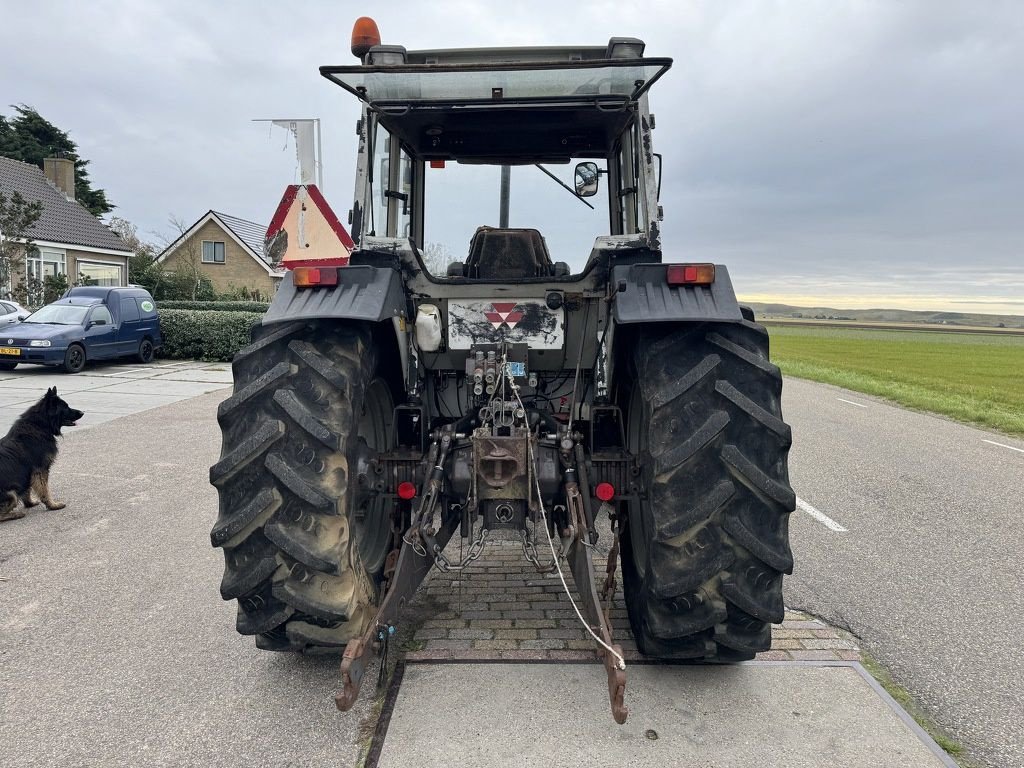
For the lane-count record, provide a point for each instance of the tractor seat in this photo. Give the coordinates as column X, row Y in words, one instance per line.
column 507, row 254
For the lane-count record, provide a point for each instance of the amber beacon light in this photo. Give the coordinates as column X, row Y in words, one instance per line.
column 365, row 35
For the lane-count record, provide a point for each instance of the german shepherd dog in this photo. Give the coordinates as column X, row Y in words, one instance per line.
column 28, row 451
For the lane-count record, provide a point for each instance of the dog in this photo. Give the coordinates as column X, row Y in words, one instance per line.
column 28, row 451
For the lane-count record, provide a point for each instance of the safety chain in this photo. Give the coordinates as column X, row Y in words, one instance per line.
column 476, row 549
column 530, row 552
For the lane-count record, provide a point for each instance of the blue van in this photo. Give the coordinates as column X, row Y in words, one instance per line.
column 85, row 324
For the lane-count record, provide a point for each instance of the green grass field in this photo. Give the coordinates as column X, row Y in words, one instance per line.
column 975, row 378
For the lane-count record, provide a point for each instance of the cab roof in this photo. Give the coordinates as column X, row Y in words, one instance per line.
column 508, row 105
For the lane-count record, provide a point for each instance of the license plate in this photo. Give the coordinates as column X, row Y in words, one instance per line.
column 9, row 351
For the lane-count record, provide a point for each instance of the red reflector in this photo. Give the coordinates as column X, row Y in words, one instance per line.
column 406, row 490
column 690, row 274
column 313, row 277
column 605, row 491
column 437, row 163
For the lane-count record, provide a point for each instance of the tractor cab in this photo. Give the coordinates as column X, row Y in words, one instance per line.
column 464, row 154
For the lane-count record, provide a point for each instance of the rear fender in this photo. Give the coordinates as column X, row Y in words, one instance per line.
column 642, row 295
column 364, row 293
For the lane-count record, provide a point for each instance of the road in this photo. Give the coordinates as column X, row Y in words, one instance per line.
column 929, row 572
column 115, row 647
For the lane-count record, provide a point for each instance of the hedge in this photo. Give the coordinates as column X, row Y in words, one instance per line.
column 205, row 335
column 217, row 306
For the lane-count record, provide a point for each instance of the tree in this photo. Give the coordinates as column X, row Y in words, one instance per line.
column 436, row 258
column 188, row 271
column 142, row 267
column 17, row 215
column 29, row 137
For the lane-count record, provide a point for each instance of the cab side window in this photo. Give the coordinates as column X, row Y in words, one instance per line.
column 129, row 311
column 101, row 315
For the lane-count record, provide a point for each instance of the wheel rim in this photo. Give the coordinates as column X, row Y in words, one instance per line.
column 371, row 519
column 147, row 351
column 76, row 358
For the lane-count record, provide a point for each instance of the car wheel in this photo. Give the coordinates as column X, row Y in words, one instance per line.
column 74, row 358
column 8, row 366
column 145, row 354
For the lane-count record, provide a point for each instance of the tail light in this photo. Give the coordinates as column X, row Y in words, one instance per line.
column 605, row 491
column 315, row 277
column 690, row 274
column 406, row 490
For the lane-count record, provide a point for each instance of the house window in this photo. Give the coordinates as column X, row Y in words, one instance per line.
column 40, row 264
column 213, row 252
column 99, row 273
column 45, row 263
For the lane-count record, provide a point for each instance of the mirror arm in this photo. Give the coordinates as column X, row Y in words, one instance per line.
column 565, row 186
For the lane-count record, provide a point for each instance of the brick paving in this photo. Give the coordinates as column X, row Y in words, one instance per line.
column 500, row 608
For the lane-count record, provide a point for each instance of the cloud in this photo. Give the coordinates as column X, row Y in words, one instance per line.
column 804, row 142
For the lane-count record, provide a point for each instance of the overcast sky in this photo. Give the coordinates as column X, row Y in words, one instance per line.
column 833, row 152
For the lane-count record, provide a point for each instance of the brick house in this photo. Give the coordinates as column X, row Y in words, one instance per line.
column 226, row 249
column 67, row 238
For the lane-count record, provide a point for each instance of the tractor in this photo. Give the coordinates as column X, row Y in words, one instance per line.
column 563, row 371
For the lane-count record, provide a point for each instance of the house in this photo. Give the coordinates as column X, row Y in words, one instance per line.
column 227, row 250
column 68, row 239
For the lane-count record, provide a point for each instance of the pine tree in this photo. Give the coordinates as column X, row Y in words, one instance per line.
column 29, row 137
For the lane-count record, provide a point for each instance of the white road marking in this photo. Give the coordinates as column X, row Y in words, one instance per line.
column 992, row 442
column 821, row 517
column 841, row 400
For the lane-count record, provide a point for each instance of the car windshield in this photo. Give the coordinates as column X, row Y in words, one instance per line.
column 59, row 314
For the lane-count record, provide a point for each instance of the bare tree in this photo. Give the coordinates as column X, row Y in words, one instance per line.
column 436, row 258
column 17, row 215
column 189, row 258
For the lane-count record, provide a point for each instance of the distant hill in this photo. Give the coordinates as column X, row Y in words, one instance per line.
column 785, row 311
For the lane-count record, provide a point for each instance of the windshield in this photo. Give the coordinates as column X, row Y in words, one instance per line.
column 486, row 82
column 59, row 314
column 460, row 198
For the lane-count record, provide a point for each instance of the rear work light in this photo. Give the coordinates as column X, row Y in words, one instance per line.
column 315, row 277
column 690, row 274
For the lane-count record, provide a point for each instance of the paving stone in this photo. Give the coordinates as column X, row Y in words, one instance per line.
column 447, row 644
column 814, row 655
column 471, row 634
column 537, row 645
column 819, row 644
column 496, row 645
column 431, row 633
column 515, row 634
column 804, row 625
column 774, row 656
column 788, row 644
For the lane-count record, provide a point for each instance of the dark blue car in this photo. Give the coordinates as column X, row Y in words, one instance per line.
column 87, row 323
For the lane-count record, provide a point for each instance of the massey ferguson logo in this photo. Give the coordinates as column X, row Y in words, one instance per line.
column 503, row 313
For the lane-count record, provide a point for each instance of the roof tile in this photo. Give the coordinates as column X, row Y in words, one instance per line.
column 62, row 221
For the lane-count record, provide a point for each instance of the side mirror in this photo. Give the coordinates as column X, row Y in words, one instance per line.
column 587, row 177
column 97, row 322
column 22, row 318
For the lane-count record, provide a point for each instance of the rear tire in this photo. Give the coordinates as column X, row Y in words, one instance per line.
column 304, row 539
column 704, row 554
column 145, row 353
